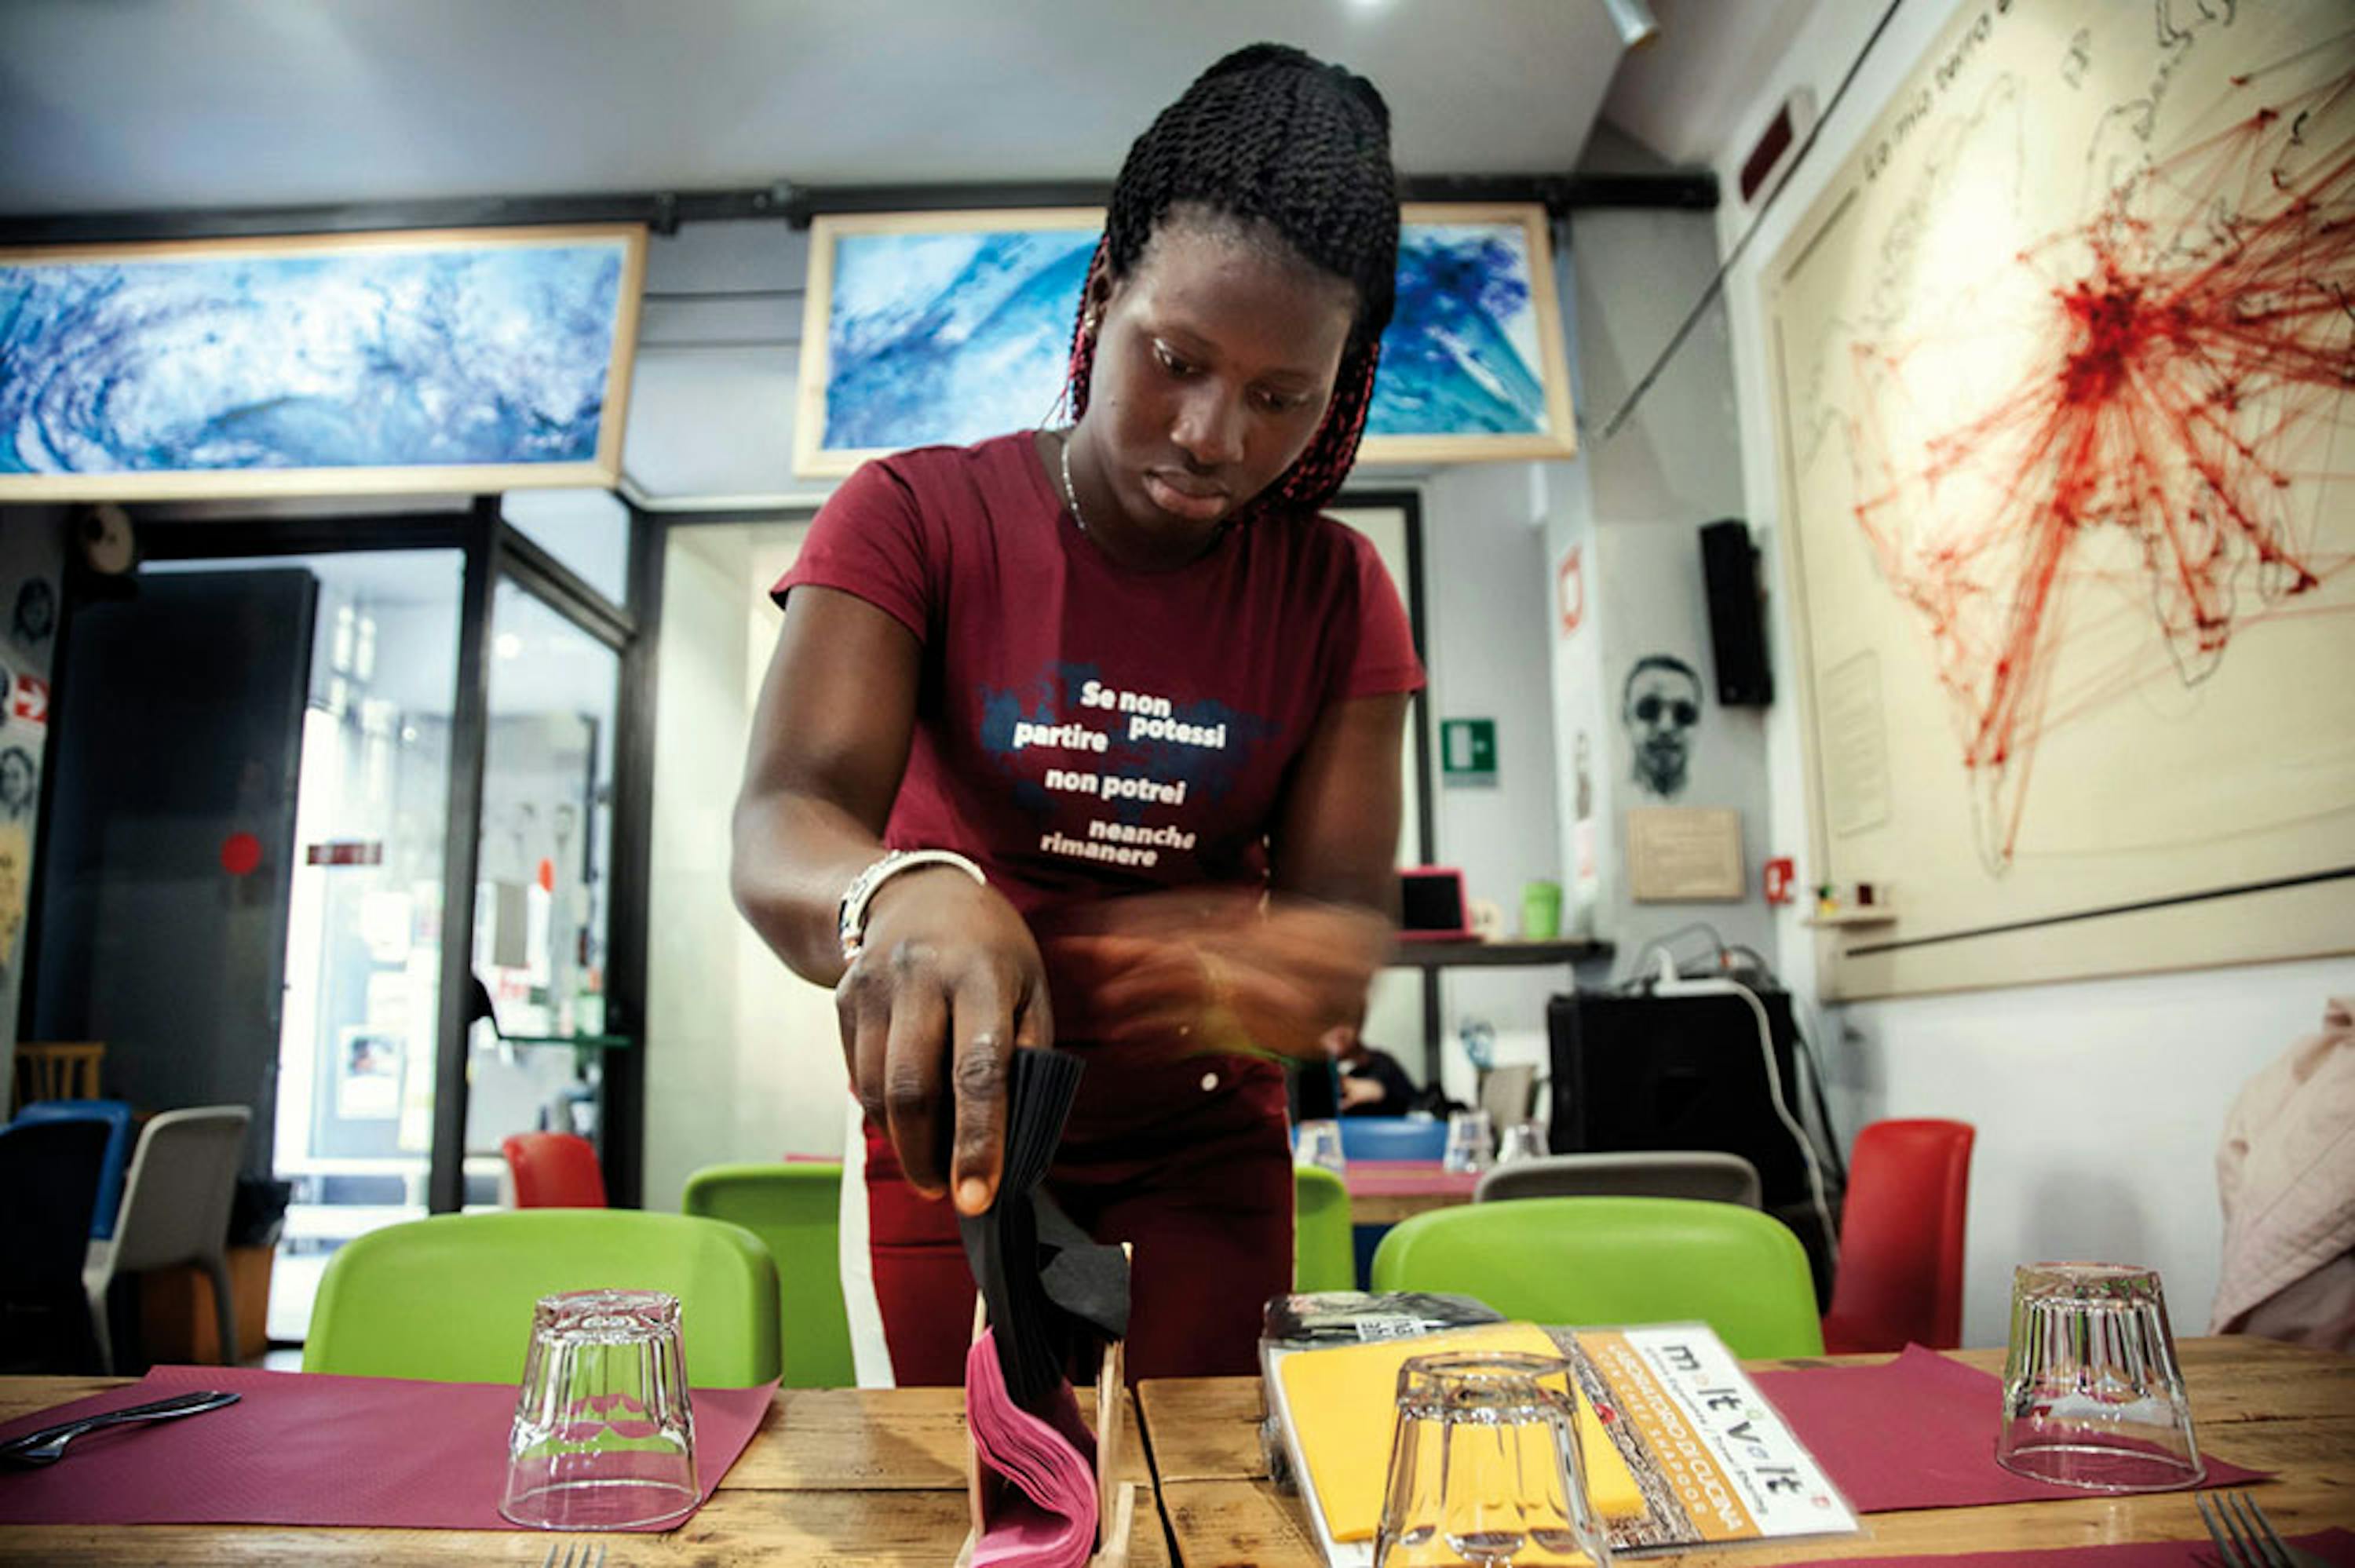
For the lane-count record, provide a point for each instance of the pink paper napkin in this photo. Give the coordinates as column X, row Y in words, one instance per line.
column 302, row 1448
column 2331, row 1546
column 1917, row 1432
column 1047, row 1518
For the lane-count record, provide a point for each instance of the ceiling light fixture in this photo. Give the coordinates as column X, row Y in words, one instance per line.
column 1634, row 19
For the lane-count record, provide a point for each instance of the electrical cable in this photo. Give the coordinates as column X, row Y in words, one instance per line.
column 1717, row 283
column 1671, row 984
column 1638, row 971
column 1823, row 1112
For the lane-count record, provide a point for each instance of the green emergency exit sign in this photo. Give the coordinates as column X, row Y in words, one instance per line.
column 1467, row 750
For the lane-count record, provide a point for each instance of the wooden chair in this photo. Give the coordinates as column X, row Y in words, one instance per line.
column 58, row 1070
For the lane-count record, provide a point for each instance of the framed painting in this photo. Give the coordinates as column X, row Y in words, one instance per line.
column 327, row 365
column 948, row 327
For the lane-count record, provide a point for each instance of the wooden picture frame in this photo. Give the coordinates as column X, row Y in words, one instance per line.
column 948, row 327
column 248, row 357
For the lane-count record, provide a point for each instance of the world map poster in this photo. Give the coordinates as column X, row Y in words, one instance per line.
column 2064, row 355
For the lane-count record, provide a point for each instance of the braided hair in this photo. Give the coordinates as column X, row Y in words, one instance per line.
column 1272, row 135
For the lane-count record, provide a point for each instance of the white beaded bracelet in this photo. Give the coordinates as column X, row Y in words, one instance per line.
column 850, row 918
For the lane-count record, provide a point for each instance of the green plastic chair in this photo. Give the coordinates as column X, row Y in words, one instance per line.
column 1323, row 1255
column 1611, row 1261
column 794, row 1207
column 451, row 1298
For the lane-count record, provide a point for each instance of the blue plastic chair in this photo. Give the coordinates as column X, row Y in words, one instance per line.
column 49, row 1171
column 116, row 1117
column 1394, row 1137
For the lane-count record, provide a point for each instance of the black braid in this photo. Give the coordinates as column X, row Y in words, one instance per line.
column 1270, row 135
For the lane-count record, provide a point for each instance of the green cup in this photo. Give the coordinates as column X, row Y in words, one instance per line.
column 1541, row 911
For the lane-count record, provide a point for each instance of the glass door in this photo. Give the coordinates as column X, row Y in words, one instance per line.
column 543, row 885
column 358, row 999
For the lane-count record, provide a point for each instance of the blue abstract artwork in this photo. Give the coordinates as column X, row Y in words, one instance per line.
column 952, row 335
column 1461, row 357
column 321, row 356
column 949, row 337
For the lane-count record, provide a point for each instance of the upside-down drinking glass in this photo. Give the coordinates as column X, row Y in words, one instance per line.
column 2092, row 1395
column 603, row 1434
column 1485, row 1466
column 1471, row 1141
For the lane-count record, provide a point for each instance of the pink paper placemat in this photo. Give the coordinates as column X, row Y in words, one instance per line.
column 1405, row 1177
column 302, row 1449
column 1918, row 1431
column 2330, row 1545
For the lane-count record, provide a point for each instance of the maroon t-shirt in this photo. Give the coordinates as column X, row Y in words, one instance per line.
column 1083, row 729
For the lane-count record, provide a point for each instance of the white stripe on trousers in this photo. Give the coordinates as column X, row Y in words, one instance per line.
column 870, row 1355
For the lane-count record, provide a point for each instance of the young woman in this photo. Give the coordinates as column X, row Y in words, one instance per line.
column 1090, row 737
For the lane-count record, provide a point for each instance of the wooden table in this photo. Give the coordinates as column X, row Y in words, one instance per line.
column 2266, row 1405
column 833, row 1476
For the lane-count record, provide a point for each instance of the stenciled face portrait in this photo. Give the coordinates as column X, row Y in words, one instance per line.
column 1660, row 708
column 20, row 778
column 35, row 614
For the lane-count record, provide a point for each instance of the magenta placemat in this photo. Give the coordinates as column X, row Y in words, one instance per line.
column 1918, row 1431
column 2330, row 1545
column 1406, row 1178
column 302, row 1449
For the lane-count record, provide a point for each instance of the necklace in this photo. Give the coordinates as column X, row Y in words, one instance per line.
column 1071, row 493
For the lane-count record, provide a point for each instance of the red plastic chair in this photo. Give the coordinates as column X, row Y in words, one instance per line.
column 1900, row 1247
column 554, row 1170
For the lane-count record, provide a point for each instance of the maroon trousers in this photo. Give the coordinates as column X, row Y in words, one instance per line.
column 1188, row 1162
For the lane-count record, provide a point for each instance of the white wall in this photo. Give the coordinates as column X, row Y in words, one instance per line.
column 2098, row 1104
column 743, row 1062
column 1632, row 504
column 1485, row 593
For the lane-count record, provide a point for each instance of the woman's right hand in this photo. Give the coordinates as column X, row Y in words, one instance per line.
column 948, row 984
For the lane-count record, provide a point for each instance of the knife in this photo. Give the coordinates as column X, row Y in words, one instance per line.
column 47, row 1444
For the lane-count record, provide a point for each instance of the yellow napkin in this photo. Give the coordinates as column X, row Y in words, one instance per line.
column 1344, row 1403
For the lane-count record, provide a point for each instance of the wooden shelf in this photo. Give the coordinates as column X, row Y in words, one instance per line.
column 1492, row 955
column 577, row 1041
column 1876, row 915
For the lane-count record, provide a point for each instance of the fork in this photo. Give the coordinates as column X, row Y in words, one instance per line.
column 576, row 1555
column 2246, row 1538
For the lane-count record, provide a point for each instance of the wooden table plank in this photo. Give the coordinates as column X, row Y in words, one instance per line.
column 849, row 1440
column 1204, row 1429
column 1390, row 1208
column 2257, row 1402
column 808, row 1530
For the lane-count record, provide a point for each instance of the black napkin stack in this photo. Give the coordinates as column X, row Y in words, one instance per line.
column 1048, row 1285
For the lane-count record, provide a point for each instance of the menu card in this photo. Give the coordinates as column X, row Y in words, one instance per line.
column 1714, row 1461
column 1681, row 1448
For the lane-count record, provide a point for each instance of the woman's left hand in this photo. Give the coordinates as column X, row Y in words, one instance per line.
column 1218, row 972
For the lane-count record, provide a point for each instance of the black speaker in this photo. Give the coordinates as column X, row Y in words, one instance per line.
column 1737, row 623
column 1644, row 1072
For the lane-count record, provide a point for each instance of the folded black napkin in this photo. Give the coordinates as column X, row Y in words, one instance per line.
column 1051, row 1288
